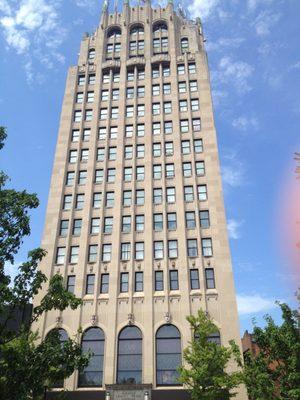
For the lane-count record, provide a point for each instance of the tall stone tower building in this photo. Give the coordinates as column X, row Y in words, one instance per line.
column 135, row 221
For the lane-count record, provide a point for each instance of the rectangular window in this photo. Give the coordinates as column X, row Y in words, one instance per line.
column 192, row 248
column 124, row 282
column 116, row 76
column 79, row 98
column 183, row 105
column 139, row 250
column 139, row 282
column 167, row 88
column 95, row 225
column 185, row 147
column 86, row 135
column 114, row 112
column 155, row 109
column 139, row 223
column 88, row 115
column 113, row 133
column 60, row 255
column 82, row 176
column 130, row 76
column 169, row 149
column 156, row 149
column 110, row 199
column 198, row 146
column 104, row 95
column 167, row 107
column 159, row 281
column 102, row 133
column 184, row 125
column 156, row 128
column 130, row 93
column 127, row 174
column 103, row 113
column 104, row 285
column 157, row 171
column 196, row 124
column 128, row 152
column 141, row 110
column 193, row 86
column 141, row 91
column 115, row 94
column 141, row 74
column 157, row 196
column 79, row 201
column 90, row 97
column 140, row 173
column 106, row 252
column 168, row 127
column 71, row 283
column 158, row 222
column 125, row 251
column 74, row 253
column 92, row 79
column 126, row 223
column 188, row 193
column 195, row 104
column 182, row 87
column 174, row 280
column 210, row 278
column 99, row 175
column 105, row 77
column 170, row 195
column 140, row 150
column 70, row 178
column 180, row 69
column 187, row 169
column 194, row 279
column 84, row 155
column 172, row 221
column 90, row 284
column 166, row 70
column 207, row 250
column 67, row 204
column 129, row 131
column 97, row 199
column 200, row 168
column 81, row 80
column 155, row 90
column 92, row 255
column 77, row 224
column 140, row 197
column 129, row 111
column 170, row 171
column 202, row 192
column 127, row 198
column 73, row 156
column 192, row 68
column 63, row 228
column 190, row 220
column 158, row 250
column 75, row 135
column 155, row 72
column 112, row 153
column 172, row 249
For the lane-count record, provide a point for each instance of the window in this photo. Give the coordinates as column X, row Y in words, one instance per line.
column 67, row 204
column 168, row 127
column 156, row 149
column 188, row 193
column 124, row 282
column 106, row 252
column 155, row 90
column 155, row 109
column 98, row 175
column 125, row 251
column 207, row 250
column 157, row 171
column 63, row 228
column 92, row 54
column 198, row 146
column 84, row 156
column 166, row 70
column 170, row 195
column 82, row 177
column 112, row 153
column 139, row 282
column 102, row 133
column 90, row 284
column 168, row 355
column 156, row 128
column 158, row 222
column 202, row 192
column 97, row 199
column 214, row 338
column 183, row 105
column 184, row 125
column 77, row 224
column 141, row 110
column 140, row 173
column 140, row 130
column 187, row 169
column 155, row 72
column 140, row 150
column 93, row 342
column 103, row 113
column 194, row 279
column 193, row 86
column 182, row 87
column 157, row 196
column 110, row 199
column 139, row 250
column 200, row 168
column 70, row 178
column 192, row 248
column 115, row 94
column 73, row 156
column 79, row 98
column 172, row 221
column 167, row 88
column 116, row 76
column 71, row 283
column 104, row 95
column 95, row 225
column 170, row 171
column 74, row 252
column 129, row 131
column 79, row 201
column 129, row 370
column 130, row 76
column 129, row 111
column 60, row 255
column 141, row 91
column 104, row 285
column 108, row 224
column 167, row 107
column 139, row 223
column 158, row 250
column 195, row 104
column 86, row 135
column 210, row 278
column 180, row 69
column 88, row 115
column 92, row 255
column 185, row 147
column 114, row 112
column 190, row 220
column 192, row 68
column 159, row 281
column 130, row 93
column 113, row 133
column 172, row 249
column 127, row 174
column 127, row 194
column 141, row 74
column 105, row 77
column 90, row 97
column 81, row 80
column 128, row 152
column 126, row 223
column 139, row 197
column 169, row 150
column 174, row 280
column 184, row 45
column 92, row 79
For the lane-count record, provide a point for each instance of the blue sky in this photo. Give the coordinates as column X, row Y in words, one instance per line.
column 254, row 57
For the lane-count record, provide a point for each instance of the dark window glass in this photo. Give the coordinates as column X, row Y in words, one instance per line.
column 159, row 281
column 124, row 282
column 90, row 283
column 204, row 219
column 71, row 283
column 129, row 370
column 104, row 283
column 139, row 282
column 174, row 280
column 194, row 278
column 210, row 278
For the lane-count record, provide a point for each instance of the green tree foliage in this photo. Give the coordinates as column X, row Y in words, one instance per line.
column 27, row 365
column 206, row 372
column 275, row 372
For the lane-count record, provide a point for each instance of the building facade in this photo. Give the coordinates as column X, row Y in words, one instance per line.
column 135, row 220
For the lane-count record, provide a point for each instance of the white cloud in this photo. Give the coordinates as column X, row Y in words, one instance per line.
column 87, row 4
column 252, row 304
column 224, row 43
column 232, row 176
column 244, row 123
column 202, row 9
column 296, row 65
column 253, row 4
column 265, row 21
column 5, row 7
column 233, row 227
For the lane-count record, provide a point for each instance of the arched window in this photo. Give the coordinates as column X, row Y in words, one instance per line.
column 92, row 54
column 184, row 45
column 160, row 28
column 160, row 38
column 129, row 369
column 137, row 30
column 136, row 43
column 63, row 338
column 92, row 340
column 114, row 33
column 168, row 355
column 215, row 338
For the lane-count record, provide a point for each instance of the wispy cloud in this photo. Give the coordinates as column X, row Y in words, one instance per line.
column 296, row 65
column 253, row 304
column 265, row 21
column 245, row 124
column 233, row 227
column 253, row 4
column 203, row 9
